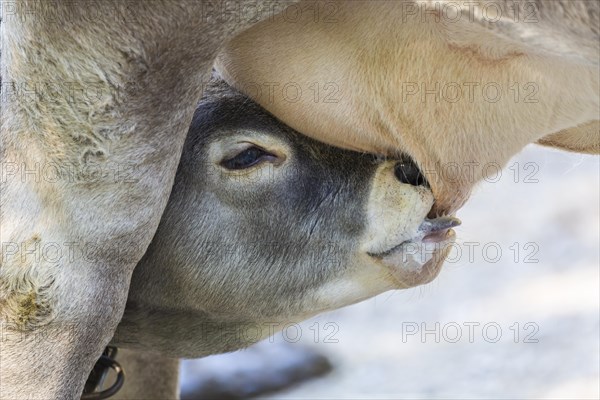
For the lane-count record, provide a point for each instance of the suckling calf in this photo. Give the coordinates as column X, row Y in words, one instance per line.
column 266, row 226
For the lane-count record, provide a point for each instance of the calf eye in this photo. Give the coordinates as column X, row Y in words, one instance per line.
column 247, row 158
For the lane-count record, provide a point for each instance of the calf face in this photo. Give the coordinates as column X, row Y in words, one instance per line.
column 266, row 226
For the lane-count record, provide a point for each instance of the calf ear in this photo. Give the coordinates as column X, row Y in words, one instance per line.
column 583, row 138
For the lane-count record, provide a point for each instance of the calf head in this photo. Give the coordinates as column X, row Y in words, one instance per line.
column 266, row 226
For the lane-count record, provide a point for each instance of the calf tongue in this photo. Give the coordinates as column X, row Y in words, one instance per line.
column 435, row 230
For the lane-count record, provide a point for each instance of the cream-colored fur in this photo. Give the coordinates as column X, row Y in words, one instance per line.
column 388, row 72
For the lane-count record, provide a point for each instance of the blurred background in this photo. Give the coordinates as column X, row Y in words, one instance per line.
column 515, row 313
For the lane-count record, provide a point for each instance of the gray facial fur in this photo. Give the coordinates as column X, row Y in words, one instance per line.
column 238, row 250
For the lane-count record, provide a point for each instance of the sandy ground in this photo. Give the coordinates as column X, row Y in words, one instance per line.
column 515, row 317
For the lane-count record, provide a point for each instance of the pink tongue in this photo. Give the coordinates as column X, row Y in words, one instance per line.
column 437, row 236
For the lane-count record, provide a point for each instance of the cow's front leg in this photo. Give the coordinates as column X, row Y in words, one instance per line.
column 96, row 103
column 69, row 246
column 46, row 360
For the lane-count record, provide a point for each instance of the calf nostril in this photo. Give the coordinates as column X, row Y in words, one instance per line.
column 407, row 172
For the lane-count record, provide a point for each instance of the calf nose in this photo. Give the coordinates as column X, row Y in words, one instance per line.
column 395, row 211
column 406, row 171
